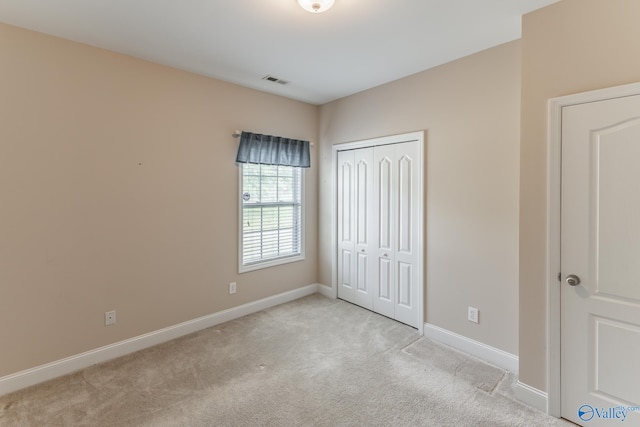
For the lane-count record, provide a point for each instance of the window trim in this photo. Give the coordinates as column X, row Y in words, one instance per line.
column 258, row 265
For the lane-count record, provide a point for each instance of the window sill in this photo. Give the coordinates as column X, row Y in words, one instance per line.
column 270, row 263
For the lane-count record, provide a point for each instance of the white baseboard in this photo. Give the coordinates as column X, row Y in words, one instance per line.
column 327, row 291
column 29, row 377
column 531, row 396
column 482, row 351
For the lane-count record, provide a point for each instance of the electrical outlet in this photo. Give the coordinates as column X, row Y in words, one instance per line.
column 473, row 315
column 110, row 318
column 232, row 288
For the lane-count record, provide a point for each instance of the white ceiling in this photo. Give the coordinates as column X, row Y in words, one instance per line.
column 356, row 45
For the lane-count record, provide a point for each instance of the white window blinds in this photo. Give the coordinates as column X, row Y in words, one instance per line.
column 271, row 215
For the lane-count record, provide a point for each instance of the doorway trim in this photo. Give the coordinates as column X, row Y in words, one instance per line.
column 385, row 140
column 554, row 182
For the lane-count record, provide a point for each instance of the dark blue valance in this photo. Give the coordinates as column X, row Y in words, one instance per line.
column 273, row 150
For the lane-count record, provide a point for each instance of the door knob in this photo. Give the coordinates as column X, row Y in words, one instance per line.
column 573, row 280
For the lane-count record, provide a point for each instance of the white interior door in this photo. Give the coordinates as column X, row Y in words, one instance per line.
column 346, row 240
column 397, row 202
column 600, row 245
column 363, row 227
column 379, row 226
column 407, row 234
column 385, row 201
column 355, row 227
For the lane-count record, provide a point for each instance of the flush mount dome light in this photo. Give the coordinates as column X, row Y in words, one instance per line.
column 316, row 6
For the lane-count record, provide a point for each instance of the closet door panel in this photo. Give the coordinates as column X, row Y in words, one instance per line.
column 346, row 243
column 407, row 257
column 385, row 199
column 384, row 203
column 363, row 227
column 405, row 200
column 404, row 284
column 362, row 273
column 385, row 287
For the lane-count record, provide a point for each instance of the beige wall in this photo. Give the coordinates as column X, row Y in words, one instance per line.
column 470, row 111
column 118, row 191
column 570, row 47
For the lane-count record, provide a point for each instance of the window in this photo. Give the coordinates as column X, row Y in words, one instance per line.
column 271, row 211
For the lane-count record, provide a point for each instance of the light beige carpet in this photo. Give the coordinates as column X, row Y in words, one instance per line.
column 312, row 362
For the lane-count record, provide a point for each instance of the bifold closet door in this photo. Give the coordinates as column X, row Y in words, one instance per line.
column 397, row 199
column 384, row 202
column 355, row 228
column 378, row 233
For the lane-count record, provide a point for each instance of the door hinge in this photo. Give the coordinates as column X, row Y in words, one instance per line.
column 559, row 277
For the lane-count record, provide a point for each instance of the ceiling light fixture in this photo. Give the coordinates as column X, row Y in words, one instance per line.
column 316, row 6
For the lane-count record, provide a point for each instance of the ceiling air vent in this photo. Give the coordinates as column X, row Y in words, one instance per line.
column 275, row 80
